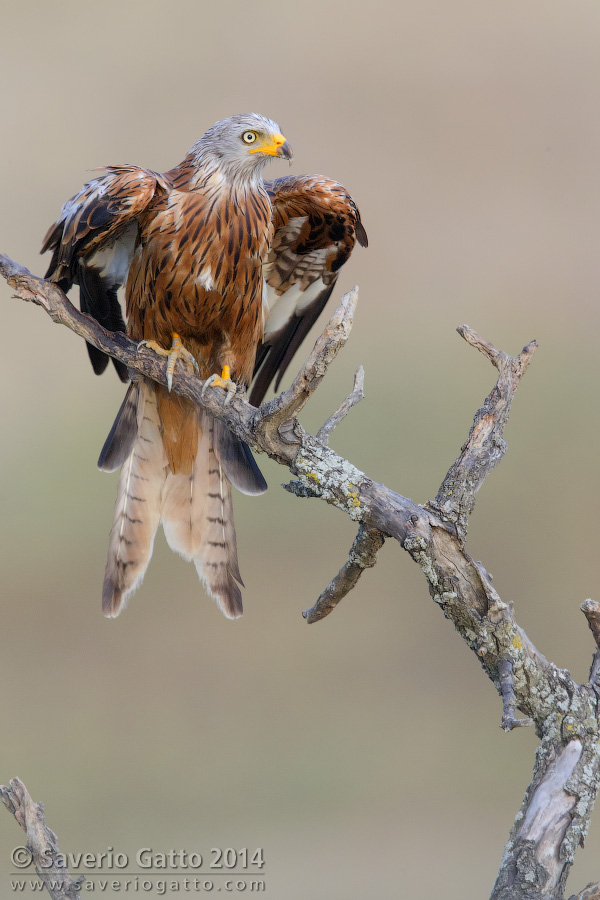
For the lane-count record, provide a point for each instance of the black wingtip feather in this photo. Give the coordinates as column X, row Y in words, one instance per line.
column 98, row 359
column 121, row 370
column 122, row 435
column 238, row 463
column 98, row 300
column 274, row 359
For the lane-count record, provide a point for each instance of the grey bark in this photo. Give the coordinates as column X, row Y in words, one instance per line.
column 42, row 843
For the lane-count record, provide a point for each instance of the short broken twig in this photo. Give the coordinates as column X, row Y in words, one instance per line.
column 591, row 610
column 363, row 554
column 509, row 701
column 342, row 411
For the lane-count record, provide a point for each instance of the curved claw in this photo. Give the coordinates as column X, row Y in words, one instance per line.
column 177, row 351
column 223, row 380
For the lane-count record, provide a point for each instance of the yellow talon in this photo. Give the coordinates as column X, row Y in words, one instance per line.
column 176, row 352
column 224, row 381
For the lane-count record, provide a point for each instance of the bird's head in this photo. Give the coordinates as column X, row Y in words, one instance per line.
column 243, row 144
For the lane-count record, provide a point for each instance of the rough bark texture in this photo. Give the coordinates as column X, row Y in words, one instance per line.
column 555, row 813
column 363, row 555
column 41, row 842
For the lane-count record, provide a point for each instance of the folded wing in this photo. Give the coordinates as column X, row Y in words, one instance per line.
column 92, row 245
column 316, row 226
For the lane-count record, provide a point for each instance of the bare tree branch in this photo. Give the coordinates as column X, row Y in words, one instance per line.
column 590, row 892
column 42, row 843
column 358, row 394
column 555, row 813
column 363, row 554
column 485, row 445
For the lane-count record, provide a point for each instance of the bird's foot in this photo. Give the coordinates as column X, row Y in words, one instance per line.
column 176, row 352
column 223, row 380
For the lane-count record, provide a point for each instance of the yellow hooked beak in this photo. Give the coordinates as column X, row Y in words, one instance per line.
column 275, row 145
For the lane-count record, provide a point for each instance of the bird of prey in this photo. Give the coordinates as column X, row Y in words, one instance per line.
column 225, row 272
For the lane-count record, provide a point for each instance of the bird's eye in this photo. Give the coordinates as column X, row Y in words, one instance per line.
column 249, row 137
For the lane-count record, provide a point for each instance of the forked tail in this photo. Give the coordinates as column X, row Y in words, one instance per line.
column 195, row 506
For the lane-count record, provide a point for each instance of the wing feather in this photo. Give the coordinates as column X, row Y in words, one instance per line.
column 92, row 244
column 316, row 225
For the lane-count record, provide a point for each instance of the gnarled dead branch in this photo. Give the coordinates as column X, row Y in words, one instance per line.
column 555, row 813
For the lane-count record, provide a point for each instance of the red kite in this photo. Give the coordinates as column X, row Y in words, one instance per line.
column 226, row 272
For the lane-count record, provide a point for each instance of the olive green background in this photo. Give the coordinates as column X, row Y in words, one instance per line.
column 364, row 752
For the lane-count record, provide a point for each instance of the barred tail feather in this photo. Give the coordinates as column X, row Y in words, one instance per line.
column 194, row 502
column 197, row 517
column 182, row 509
column 218, row 566
column 137, row 510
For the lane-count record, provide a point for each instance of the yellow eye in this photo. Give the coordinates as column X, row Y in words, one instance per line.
column 249, row 137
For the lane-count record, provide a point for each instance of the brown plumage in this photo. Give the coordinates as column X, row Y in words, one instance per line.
column 316, row 224
column 208, row 251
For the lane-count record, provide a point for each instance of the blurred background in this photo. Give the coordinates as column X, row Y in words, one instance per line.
column 363, row 753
